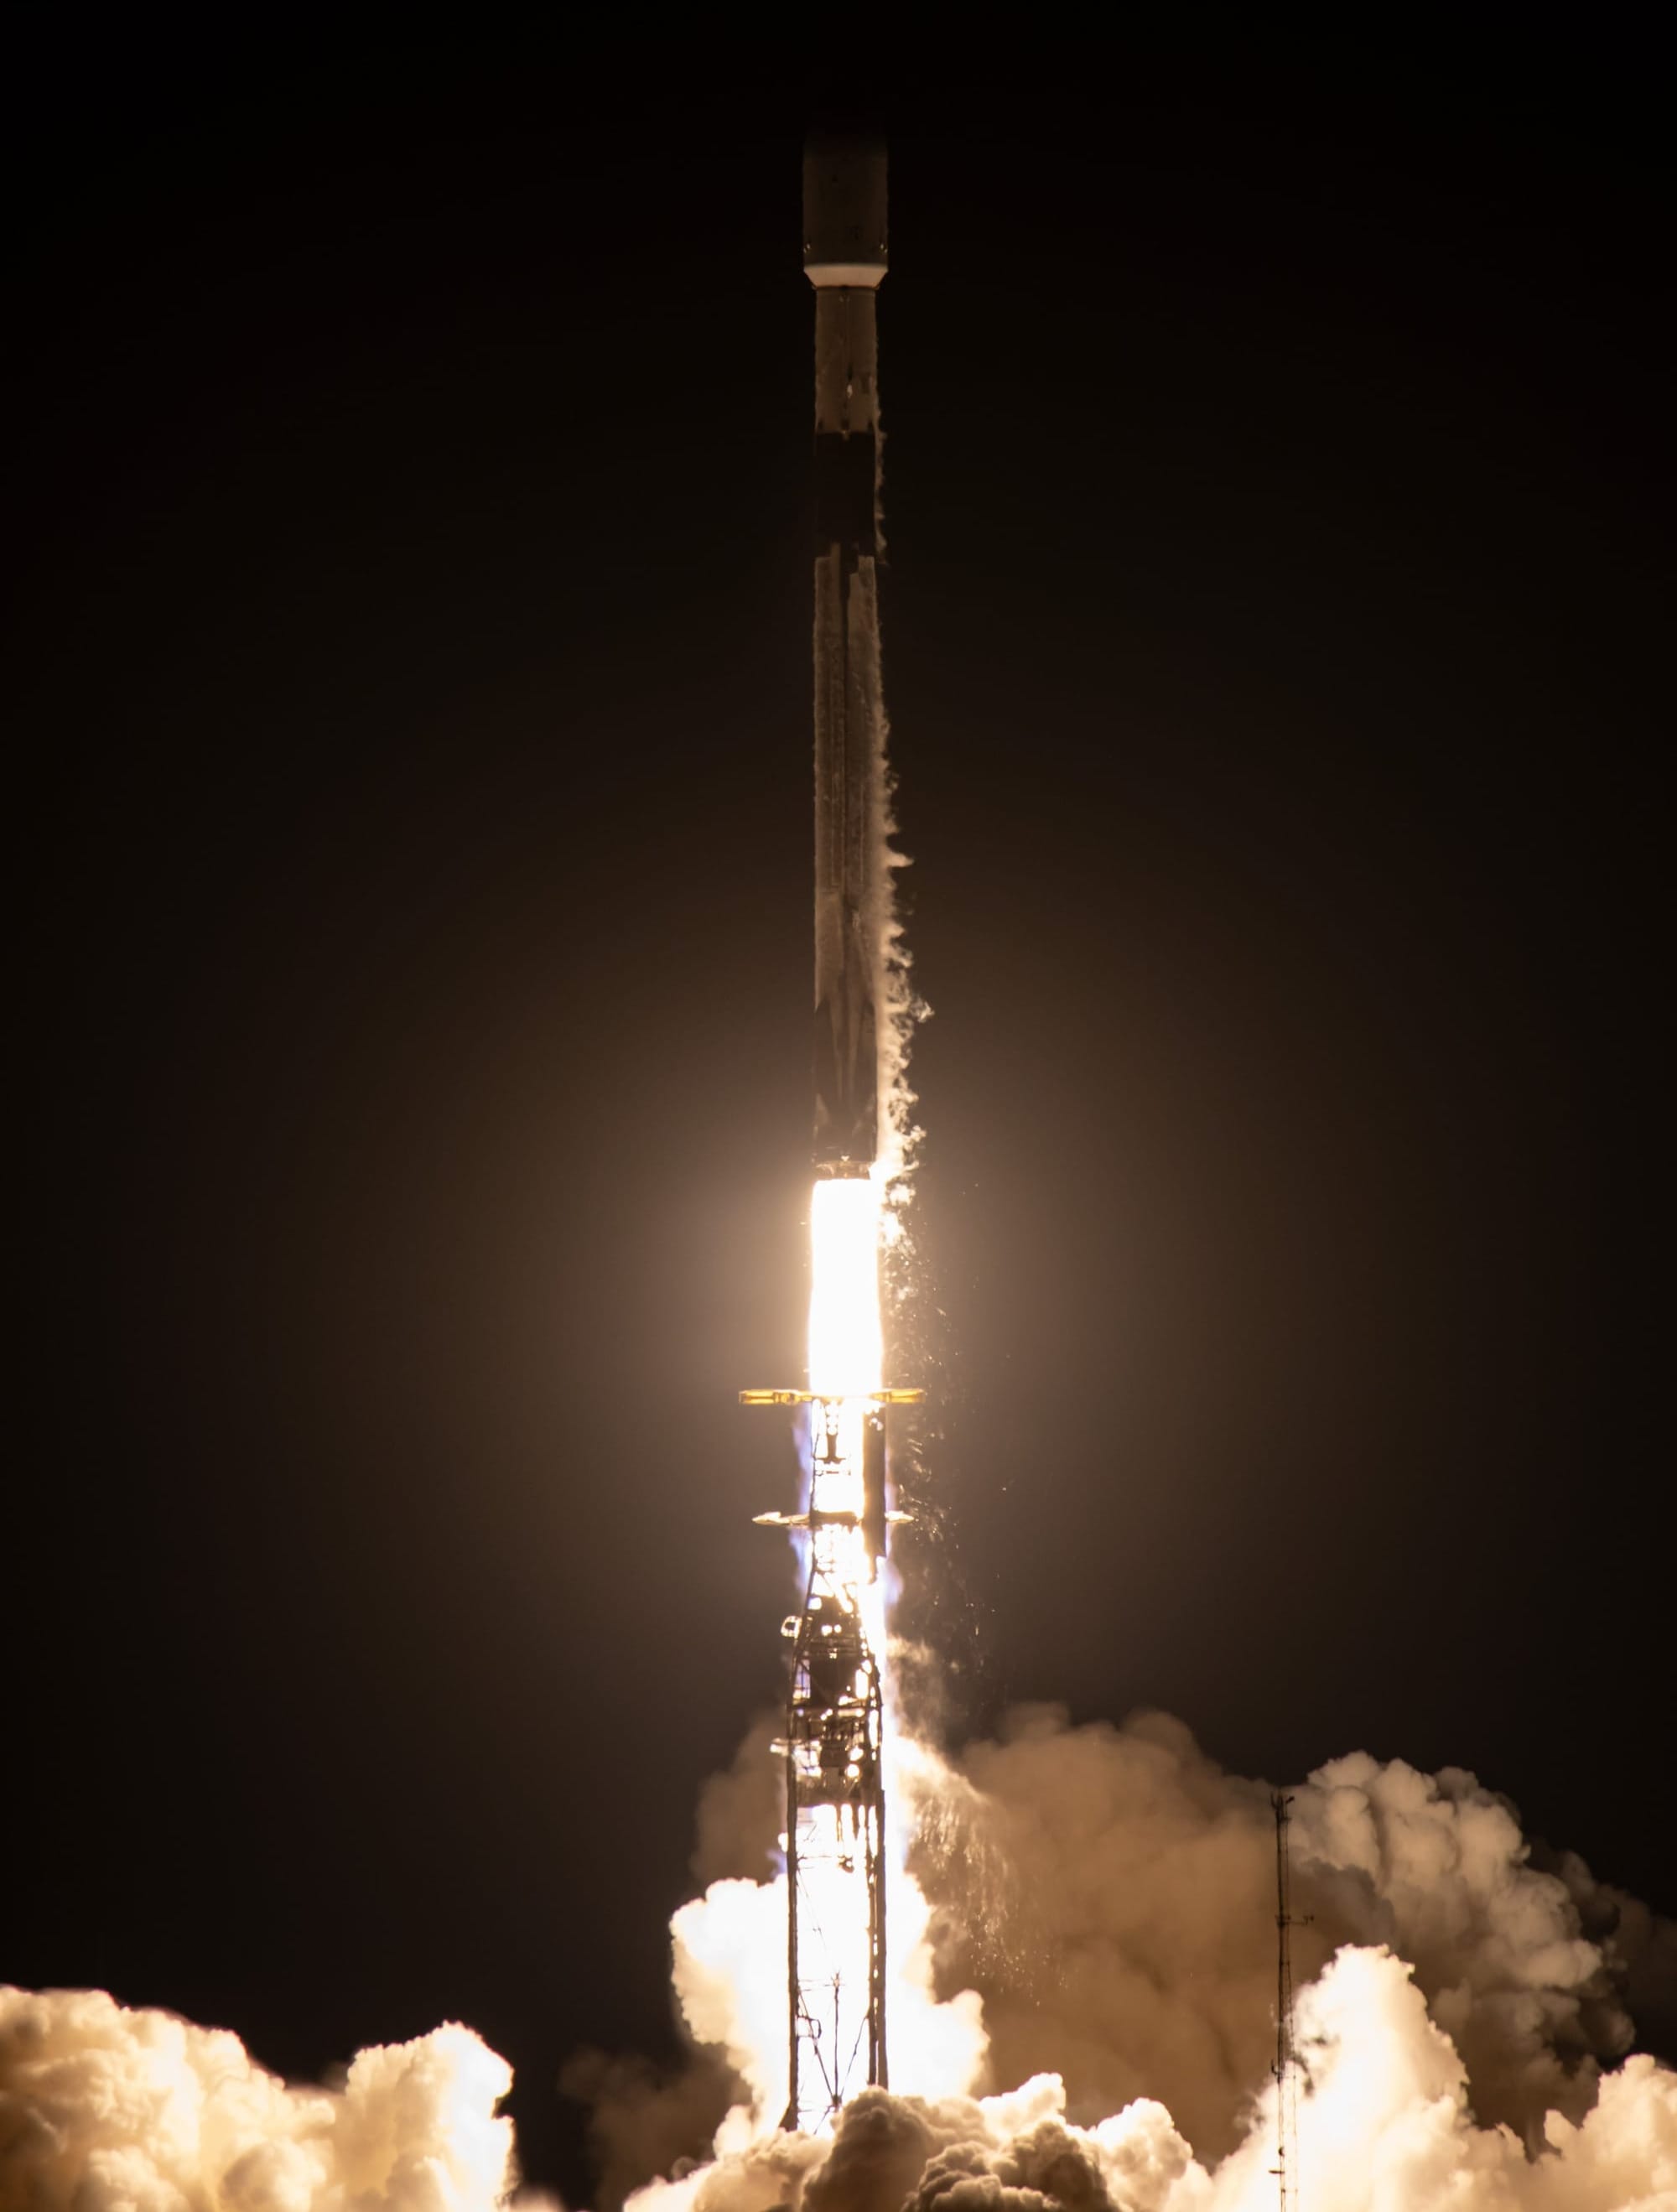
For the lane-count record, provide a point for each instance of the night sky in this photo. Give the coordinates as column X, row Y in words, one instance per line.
column 408, row 663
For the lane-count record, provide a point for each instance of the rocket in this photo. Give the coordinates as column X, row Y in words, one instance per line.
column 844, row 259
column 834, row 1747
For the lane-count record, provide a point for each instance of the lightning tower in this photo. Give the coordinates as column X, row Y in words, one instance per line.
column 835, row 1742
column 1286, row 2069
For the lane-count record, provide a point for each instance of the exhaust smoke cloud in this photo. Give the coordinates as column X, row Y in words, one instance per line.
column 103, row 2109
column 1104, row 1893
column 1387, row 2128
column 1110, row 1893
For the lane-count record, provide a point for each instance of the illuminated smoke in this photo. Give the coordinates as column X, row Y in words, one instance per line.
column 1386, row 2128
column 1108, row 1894
column 107, row 2110
column 730, row 1981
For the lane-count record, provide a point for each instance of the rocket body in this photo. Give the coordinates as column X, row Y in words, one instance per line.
column 844, row 258
column 836, row 1705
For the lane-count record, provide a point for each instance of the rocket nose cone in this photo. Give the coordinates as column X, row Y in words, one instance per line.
column 844, row 209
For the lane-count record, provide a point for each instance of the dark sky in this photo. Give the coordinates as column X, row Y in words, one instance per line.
column 408, row 666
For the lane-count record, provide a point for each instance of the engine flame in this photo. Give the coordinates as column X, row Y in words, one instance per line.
column 853, row 1998
column 846, row 1345
column 835, row 1749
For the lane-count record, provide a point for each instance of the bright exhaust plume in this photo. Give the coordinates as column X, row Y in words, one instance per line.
column 845, row 1346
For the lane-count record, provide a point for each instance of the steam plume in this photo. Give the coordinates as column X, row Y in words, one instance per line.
column 107, row 2110
column 1108, row 1892
column 1387, row 2128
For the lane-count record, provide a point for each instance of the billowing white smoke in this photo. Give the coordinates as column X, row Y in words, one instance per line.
column 730, row 1977
column 1385, row 2129
column 107, row 2110
column 1108, row 1893
column 729, row 1956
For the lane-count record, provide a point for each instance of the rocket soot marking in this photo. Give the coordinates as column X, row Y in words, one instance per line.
column 836, row 1837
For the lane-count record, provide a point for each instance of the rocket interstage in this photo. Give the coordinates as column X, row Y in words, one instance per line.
column 835, row 1742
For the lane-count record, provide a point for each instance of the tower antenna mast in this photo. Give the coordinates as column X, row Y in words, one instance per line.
column 1286, row 2069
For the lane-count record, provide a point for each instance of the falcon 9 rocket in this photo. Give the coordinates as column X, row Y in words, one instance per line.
column 836, row 1713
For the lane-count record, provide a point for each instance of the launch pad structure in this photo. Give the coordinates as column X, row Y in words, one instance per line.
column 834, row 1749
column 836, row 1710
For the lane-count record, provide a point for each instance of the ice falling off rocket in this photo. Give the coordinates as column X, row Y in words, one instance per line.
column 835, row 1742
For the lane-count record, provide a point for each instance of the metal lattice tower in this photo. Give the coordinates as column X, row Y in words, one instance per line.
column 833, row 1749
column 1286, row 2069
column 836, row 1802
